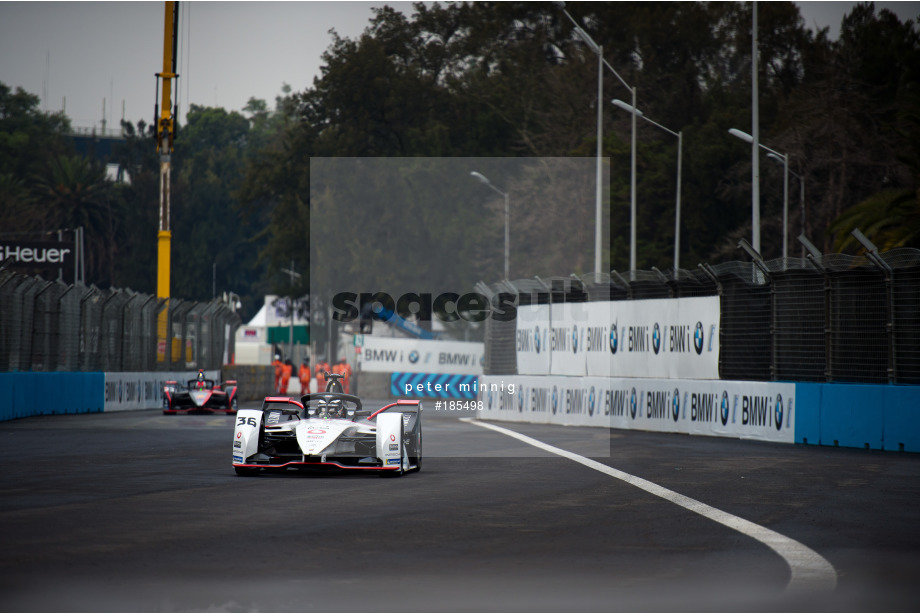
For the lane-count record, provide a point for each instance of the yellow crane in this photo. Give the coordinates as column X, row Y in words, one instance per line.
column 164, row 118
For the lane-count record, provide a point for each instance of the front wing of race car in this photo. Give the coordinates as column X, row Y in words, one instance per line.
column 283, row 435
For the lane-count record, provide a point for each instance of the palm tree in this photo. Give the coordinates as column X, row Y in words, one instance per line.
column 890, row 219
column 75, row 193
column 17, row 209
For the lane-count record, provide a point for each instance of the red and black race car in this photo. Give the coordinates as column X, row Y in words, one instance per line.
column 201, row 396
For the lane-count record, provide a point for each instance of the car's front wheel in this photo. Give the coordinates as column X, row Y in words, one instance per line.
column 404, row 461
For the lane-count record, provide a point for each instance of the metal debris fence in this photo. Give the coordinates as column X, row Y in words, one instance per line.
column 832, row 318
column 53, row 326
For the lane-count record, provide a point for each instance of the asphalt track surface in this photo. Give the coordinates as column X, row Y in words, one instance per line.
column 137, row 511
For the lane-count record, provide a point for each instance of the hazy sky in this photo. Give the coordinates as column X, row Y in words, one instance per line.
column 75, row 55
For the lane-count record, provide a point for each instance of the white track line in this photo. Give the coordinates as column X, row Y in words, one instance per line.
column 810, row 571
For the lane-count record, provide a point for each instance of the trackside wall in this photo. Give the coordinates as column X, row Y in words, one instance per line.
column 43, row 393
column 878, row 417
column 35, row 394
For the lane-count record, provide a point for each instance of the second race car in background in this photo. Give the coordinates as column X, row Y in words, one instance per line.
column 200, row 396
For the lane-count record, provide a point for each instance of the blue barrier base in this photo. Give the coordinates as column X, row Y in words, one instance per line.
column 35, row 394
column 869, row 416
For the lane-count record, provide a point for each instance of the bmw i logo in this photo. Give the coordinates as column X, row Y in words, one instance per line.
column 633, row 404
column 724, row 408
column 656, row 338
column 698, row 338
column 555, row 400
column 591, row 402
column 413, row 357
column 778, row 412
column 613, row 338
column 574, row 339
column 536, row 338
column 675, row 405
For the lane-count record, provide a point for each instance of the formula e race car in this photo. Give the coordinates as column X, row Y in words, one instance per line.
column 328, row 430
column 201, row 396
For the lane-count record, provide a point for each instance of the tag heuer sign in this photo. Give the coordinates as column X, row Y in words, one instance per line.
column 34, row 255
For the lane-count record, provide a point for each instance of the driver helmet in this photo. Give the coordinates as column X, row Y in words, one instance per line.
column 336, row 409
column 200, row 383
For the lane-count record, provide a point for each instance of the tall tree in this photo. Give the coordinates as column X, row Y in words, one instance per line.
column 75, row 193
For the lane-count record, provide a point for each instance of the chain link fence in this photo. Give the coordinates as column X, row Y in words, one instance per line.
column 53, row 326
column 833, row 318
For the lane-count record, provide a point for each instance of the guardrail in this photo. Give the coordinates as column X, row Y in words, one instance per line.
column 868, row 416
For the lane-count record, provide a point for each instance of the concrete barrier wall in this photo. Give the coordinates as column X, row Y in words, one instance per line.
column 25, row 394
column 878, row 417
column 255, row 382
column 138, row 390
column 35, row 394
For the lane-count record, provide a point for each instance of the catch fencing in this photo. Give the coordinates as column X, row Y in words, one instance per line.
column 833, row 318
column 53, row 326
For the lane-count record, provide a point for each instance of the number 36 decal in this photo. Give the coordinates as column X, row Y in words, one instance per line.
column 250, row 421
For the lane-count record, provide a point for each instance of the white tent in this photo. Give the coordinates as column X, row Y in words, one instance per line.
column 270, row 325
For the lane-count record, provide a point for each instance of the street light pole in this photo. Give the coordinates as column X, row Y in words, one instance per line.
column 293, row 274
column 680, row 139
column 597, row 49
column 483, row 179
column 785, row 161
column 775, row 155
column 680, row 158
column 755, row 140
column 632, row 194
column 599, row 171
column 782, row 159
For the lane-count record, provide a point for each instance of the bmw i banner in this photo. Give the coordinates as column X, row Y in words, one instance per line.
column 569, row 322
column 672, row 338
column 532, row 337
column 665, row 338
column 764, row 411
column 390, row 354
